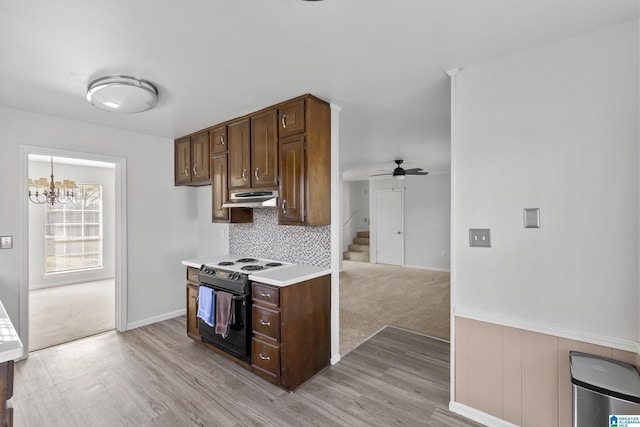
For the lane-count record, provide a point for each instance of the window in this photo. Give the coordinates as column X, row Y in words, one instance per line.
column 73, row 232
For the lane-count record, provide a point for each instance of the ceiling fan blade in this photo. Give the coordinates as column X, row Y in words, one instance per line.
column 414, row 172
column 382, row 174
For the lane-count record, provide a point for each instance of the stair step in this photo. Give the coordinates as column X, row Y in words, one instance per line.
column 356, row 256
column 363, row 234
column 359, row 248
column 360, row 240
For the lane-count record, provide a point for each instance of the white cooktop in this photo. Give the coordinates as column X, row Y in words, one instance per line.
column 238, row 263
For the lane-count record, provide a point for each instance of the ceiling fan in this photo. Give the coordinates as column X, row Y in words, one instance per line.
column 400, row 173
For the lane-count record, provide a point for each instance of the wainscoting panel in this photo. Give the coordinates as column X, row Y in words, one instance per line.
column 517, row 375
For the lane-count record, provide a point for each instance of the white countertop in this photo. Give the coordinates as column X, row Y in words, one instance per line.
column 278, row 276
column 10, row 344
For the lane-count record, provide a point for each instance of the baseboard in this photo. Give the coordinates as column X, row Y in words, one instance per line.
column 422, row 267
column 71, row 281
column 617, row 343
column 478, row 416
column 150, row 320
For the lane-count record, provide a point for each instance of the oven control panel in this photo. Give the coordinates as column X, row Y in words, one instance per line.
column 217, row 273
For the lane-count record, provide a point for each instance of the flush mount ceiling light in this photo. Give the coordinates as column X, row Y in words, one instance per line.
column 122, row 94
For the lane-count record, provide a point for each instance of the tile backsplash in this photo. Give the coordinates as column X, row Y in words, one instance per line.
column 264, row 238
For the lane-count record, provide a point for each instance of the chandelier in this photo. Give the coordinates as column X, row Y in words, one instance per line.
column 52, row 192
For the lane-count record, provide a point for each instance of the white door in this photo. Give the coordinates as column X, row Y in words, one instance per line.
column 389, row 233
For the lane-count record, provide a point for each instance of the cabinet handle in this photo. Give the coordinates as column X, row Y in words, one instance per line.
column 283, row 120
column 263, row 295
column 284, row 206
column 265, row 323
column 263, row 357
column 222, row 138
column 186, row 170
column 257, row 174
column 194, row 169
column 244, row 174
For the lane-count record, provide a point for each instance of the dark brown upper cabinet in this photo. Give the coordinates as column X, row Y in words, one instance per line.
column 264, row 150
column 218, row 139
column 192, row 160
column 239, row 161
column 291, row 118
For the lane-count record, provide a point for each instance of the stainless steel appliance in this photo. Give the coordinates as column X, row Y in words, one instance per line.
column 232, row 276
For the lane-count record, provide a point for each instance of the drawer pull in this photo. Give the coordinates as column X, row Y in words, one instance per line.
column 263, row 295
column 265, row 323
column 263, row 357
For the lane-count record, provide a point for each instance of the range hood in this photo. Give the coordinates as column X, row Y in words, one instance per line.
column 252, row 199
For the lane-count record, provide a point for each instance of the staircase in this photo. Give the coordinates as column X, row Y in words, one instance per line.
column 359, row 250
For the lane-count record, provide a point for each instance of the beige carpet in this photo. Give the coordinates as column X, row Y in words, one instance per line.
column 65, row 313
column 374, row 295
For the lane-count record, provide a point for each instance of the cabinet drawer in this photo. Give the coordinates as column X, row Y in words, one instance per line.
column 265, row 294
column 266, row 322
column 192, row 274
column 291, row 118
column 266, row 357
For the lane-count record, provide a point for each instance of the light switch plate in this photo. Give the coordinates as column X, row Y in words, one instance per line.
column 479, row 237
column 6, row 242
column 531, row 217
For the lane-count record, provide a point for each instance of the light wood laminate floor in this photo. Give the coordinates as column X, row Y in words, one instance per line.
column 156, row 376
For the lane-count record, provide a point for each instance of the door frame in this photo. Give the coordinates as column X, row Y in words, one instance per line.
column 120, row 234
column 373, row 213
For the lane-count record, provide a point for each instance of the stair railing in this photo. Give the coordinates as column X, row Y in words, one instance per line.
column 349, row 231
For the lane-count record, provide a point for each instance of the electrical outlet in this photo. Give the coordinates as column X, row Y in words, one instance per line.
column 480, row 237
column 6, row 242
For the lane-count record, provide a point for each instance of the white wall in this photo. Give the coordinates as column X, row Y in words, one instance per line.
column 554, row 128
column 161, row 218
column 427, row 213
column 212, row 238
column 82, row 175
column 427, row 216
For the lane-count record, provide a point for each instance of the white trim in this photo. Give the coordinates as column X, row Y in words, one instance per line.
column 422, row 267
column 336, row 244
column 70, row 282
column 588, row 337
column 452, row 284
column 155, row 319
column 478, row 416
column 120, row 236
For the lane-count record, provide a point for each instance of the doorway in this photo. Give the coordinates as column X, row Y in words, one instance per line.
column 45, row 272
column 388, row 211
column 71, row 252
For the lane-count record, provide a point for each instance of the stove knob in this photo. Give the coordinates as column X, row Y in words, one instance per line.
column 235, row 276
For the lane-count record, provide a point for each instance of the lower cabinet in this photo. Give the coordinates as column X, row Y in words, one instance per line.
column 291, row 331
column 6, row 392
column 192, row 303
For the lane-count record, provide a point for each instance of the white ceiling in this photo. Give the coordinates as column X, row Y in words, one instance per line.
column 383, row 62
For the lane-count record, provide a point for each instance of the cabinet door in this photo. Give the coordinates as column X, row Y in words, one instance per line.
column 264, row 150
column 218, row 139
column 219, row 192
column 200, row 158
column 182, row 156
column 292, row 180
column 192, row 311
column 239, row 155
column 291, row 118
